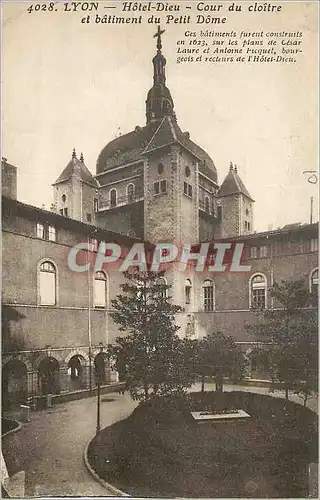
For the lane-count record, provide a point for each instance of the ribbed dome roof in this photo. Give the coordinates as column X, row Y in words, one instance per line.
column 130, row 147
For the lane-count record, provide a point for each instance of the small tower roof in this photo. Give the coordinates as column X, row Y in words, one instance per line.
column 159, row 102
column 77, row 166
column 232, row 184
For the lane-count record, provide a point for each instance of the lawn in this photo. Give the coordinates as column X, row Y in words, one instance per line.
column 159, row 450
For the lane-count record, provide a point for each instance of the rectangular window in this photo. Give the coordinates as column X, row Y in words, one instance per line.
column 264, row 251
column 259, row 298
column 163, row 186
column 314, row 245
column 253, row 252
column 95, row 205
column 61, row 211
column 47, row 288
column 52, row 233
column 187, row 189
column 248, row 226
column 220, row 213
column 40, row 230
column 89, row 218
column 46, row 232
column 245, row 224
column 99, row 293
column 94, row 243
column 208, row 298
column 65, row 212
column 160, row 187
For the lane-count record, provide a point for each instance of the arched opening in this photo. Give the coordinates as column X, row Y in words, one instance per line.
column 187, row 290
column 130, row 192
column 208, row 296
column 14, row 383
column 49, row 376
column 113, row 197
column 102, row 368
column 164, row 291
column 258, row 292
column 76, row 373
column 47, row 284
column 206, row 204
column 100, row 289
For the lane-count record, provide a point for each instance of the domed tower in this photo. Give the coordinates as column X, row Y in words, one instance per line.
column 155, row 182
column 159, row 102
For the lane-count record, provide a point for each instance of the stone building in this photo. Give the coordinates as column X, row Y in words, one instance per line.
column 55, row 321
column 155, row 185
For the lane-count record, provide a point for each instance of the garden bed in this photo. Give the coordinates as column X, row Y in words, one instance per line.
column 159, row 450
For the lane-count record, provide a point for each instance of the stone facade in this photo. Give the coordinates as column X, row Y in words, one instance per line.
column 153, row 184
column 39, row 340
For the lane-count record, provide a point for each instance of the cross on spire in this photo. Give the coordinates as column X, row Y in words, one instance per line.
column 158, row 36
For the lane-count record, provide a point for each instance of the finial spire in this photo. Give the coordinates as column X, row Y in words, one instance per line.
column 236, row 169
column 231, row 166
column 81, row 157
column 158, row 36
column 74, row 154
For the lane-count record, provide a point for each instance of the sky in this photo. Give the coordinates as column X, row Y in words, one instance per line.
column 67, row 84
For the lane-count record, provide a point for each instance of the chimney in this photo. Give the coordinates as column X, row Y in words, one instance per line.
column 8, row 179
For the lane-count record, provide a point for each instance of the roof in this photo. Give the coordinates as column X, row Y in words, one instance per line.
column 232, row 184
column 283, row 231
column 35, row 213
column 77, row 167
column 288, row 229
column 130, row 147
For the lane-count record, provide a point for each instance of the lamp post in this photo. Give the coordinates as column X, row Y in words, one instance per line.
column 90, row 285
column 89, row 319
column 98, row 408
column 99, row 371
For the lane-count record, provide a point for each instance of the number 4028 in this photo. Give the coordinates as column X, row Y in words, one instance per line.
column 41, row 7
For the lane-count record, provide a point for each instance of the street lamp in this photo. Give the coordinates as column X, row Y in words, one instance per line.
column 90, row 285
column 99, row 372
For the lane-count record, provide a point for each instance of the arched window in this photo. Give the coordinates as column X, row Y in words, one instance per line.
column 187, row 290
column 208, row 295
column 258, row 291
column 100, row 289
column 130, row 192
column 206, row 204
column 113, row 197
column 163, row 282
column 47, row 284
column 314, row 282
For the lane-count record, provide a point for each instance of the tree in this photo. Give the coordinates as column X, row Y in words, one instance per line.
column 291, row 337
column 151, row 354
column 219, row 356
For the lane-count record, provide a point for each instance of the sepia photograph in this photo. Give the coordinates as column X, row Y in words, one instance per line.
column 160, row 212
